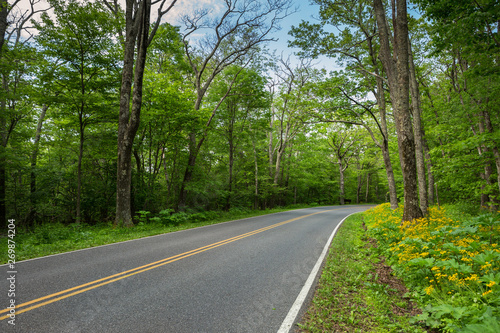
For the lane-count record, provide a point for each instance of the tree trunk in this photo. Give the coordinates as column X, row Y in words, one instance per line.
column 79, row 175
column 270, row 146
column 430, row 173
column 341, row 182
column 188, row 174
column 418, row 132
column 231, row 162
column 380, row 96
column 367, row 186
column 393, row 194
column 129, row 119
column 256, row 164
column 34, row 157
column 398, row 77
column 34, row 154
column 4, row 11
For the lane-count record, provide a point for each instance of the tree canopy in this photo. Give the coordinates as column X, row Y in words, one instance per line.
column 109, row 111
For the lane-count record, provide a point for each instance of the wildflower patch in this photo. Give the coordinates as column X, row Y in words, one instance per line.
column 451, row 266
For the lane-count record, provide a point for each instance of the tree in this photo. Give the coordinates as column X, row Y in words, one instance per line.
column 343, row 141
column 287, row 113
column 232, row 38
column 248, row 97
column 397, row 70
column 16, row 57
column 138, row 35
column 166, row 117
column 79, row 43
column 466, row 44
column 356, row 48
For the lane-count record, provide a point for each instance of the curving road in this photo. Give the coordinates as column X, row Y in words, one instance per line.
column 239, row 276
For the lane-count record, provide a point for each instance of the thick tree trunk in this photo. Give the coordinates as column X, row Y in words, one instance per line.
column 380, row 96
column 4, row 11
column 398, row 76
column 418, row 133
column 129, row 119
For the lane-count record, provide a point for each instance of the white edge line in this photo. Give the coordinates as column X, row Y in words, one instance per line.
column 299, row 301
column 137, row 239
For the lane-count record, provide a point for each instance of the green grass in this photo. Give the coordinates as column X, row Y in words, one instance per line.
column 56, row 238
column 356, row 293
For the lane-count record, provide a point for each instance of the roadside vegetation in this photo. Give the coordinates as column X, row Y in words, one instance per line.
column 357, row 291
column 449, row 261
column 53, row 238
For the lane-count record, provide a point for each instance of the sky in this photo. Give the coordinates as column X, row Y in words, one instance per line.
column 305, row 11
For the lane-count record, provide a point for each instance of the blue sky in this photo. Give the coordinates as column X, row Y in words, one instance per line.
column 305, row 12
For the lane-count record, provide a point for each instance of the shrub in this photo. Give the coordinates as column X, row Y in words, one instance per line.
column 142, row 216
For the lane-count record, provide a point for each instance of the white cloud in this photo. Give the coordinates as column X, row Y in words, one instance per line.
column 187, row 7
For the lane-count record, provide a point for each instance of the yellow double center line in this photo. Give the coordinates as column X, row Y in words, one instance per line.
column 45, row 300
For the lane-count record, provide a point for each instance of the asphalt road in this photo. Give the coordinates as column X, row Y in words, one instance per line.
column 239, row 276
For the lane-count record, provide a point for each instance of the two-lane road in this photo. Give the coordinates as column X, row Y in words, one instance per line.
column 239, row 276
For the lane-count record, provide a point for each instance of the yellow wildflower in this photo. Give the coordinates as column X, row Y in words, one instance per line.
column 486, row 292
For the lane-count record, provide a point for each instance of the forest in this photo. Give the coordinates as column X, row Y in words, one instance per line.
column 108, row 112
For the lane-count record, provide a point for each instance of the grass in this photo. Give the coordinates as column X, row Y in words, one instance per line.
column 56, row 238
column 357, row 291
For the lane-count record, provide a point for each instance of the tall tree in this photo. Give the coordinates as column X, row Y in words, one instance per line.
column 355, row 46
column 15, row 59
column 288, row 116
column 234, row 37
column 138, row 35
column 397, row 69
